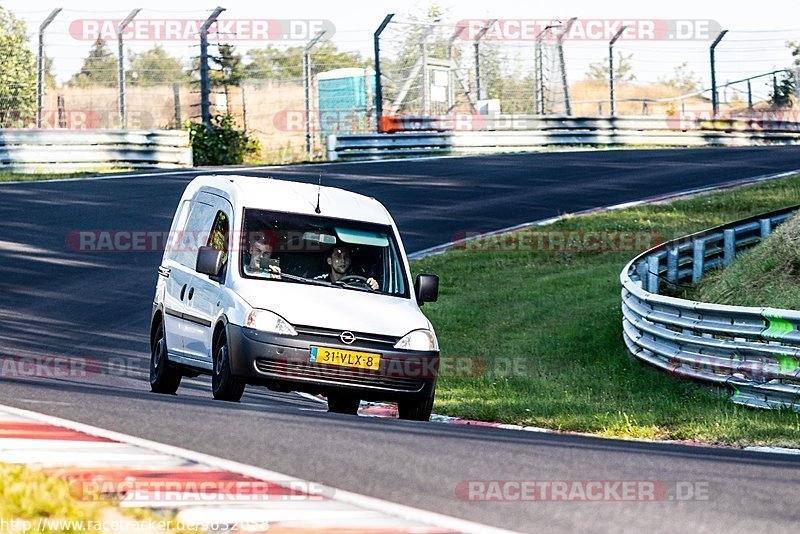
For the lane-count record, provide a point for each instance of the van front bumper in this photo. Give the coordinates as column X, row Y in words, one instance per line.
column 282, row 362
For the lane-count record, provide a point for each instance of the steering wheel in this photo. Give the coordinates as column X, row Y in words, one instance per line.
column 354, row 278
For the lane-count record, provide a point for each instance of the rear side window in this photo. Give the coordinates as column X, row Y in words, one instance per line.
column 173, row 241
column 195, row 234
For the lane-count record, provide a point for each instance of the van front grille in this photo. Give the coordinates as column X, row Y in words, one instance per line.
column 336, row 375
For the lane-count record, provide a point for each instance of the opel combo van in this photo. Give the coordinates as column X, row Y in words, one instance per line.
column 295, row 287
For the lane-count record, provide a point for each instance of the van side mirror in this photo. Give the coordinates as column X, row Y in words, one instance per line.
column 426, row 288
column 209, row 261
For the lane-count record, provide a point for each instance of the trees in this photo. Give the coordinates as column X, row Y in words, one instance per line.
column 17, row 72
column 274, row 64
column 682, row 79
column 154, row 67
column 99, row 68
column 599, row 71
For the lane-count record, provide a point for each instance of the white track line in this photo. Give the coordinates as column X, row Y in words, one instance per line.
column 368, row 503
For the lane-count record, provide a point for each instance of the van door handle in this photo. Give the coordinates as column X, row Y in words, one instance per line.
column 191, row 293
column 183, row 290
column 164, row 271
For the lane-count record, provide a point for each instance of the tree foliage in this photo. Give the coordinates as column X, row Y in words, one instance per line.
column 272, row 63
column 17, row 72
column 682, row 79
column 600, row 71
column 154, row 67
column 99, row 68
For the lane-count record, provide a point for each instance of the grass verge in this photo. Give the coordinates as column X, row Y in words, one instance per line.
column 25, row 177
column 31, row 501
column 766, row 275
column 545, row 321
column 27, row 495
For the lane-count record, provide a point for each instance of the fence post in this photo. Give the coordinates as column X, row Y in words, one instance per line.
column 641, row 270
column 123, row 119
column 672, row 264
column 205, row 81
column 652, row 274
column 477, row 47
column 378, row 82
column 176, row 99
column 62, row 111
column 426, row 75
column 729, row 246
column 797, row 82
column 698, row 260
column 40, row 66
column 765, row 227
column 539, row 66
column 714, row 99
column 330, row 145
column 611, row 65
column 307, row 85
column 563, row 64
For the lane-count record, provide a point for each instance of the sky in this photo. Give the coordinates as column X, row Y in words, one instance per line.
column 755, row 43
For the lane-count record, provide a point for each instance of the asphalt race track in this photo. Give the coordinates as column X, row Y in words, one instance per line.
column 57, row 301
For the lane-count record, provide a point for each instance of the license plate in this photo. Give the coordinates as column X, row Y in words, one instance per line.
column 344, row 358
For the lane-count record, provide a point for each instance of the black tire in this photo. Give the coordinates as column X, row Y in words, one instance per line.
column 224, row 385
column 164, row 378
column 343, row 404
column 415, row 409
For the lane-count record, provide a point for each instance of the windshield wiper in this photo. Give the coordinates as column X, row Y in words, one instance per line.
column 345, row 285
column 303, row 280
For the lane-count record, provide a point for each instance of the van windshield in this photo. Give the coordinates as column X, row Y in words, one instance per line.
column 290, row 247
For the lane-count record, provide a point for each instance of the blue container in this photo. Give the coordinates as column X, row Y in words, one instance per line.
column 346, row 101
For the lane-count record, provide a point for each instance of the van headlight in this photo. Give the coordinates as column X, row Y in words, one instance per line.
column 422, row 340
column 266, row 321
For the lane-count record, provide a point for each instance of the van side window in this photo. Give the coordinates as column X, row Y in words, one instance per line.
column 173, row 242
column 218, row 238
column 201, row 217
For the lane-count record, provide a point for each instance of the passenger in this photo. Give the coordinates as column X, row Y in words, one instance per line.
column 262, row 248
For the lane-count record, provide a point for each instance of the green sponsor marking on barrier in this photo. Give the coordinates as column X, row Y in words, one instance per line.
column 777, row 326
column 787, row 364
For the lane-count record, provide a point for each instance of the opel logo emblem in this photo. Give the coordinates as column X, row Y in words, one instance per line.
column 347, row 337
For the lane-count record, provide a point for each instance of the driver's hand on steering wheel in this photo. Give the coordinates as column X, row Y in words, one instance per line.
column 371, row 282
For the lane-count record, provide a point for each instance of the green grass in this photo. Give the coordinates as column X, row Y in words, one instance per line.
column 767, row 275
column 557, row 316
column 32, row 177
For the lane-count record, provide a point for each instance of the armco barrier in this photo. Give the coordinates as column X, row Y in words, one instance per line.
column 754, row 352
column 485, row 134
column 53, row 150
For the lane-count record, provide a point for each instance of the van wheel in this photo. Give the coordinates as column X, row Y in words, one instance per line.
column 343, row 404
column 224, row 385
column 415, row 409
column 163, row 377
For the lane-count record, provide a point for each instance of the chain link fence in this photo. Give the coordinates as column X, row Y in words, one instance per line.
column 291, row 89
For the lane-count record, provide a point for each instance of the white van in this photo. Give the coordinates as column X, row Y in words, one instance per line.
column 295, row 287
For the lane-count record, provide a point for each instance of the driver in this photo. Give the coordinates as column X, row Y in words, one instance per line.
column 340, row 262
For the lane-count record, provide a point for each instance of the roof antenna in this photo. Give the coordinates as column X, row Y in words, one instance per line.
column 319, row 188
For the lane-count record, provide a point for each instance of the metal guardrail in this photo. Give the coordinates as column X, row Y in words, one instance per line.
column 455, row 134
column 49, row 150
column 753, row 351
